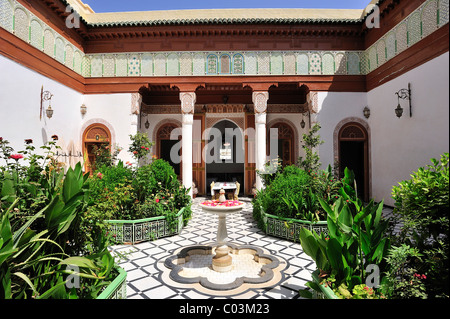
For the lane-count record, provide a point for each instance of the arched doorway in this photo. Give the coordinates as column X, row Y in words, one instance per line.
column 286, row 142
column 96, row 139
column 225, row 154
column 164, row 145
column 353, row 144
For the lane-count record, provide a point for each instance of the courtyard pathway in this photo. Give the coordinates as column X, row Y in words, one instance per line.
column 148, row 277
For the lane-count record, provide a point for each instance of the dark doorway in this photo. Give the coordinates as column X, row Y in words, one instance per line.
column 166, row 147
column 353, row 154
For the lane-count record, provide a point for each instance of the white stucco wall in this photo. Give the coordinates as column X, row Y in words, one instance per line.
column 401, row 145
column 20, row 95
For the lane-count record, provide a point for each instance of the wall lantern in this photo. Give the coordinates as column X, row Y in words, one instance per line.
column 46, row 96
column 403, row 94
column 147, row 124
column 366, row 112
column 302, row 123
column 83, row 109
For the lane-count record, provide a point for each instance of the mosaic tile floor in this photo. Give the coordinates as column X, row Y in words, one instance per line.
column 148, row 277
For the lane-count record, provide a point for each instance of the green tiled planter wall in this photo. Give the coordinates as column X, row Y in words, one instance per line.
column 288, row 228
column 327, row 292
column 118, row 288
column 139, row 230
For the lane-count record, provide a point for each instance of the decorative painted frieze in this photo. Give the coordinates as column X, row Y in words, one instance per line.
column 430, row 16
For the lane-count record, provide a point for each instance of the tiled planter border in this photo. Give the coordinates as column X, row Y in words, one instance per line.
column 118, row 288
column 139, row 230
column 289, row 228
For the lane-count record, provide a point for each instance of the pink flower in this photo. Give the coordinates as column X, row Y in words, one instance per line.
column 100, row 175
column 142, row 146
column 16, row 156
column 157, row 200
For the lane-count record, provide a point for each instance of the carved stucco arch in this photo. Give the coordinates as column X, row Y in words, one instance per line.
column 366, row 126
column 294, row 130
column 158, row 127
column 98, row 121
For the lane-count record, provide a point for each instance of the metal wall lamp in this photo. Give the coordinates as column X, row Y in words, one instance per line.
column 403, row 94
column 46, row 96
column 366, row 112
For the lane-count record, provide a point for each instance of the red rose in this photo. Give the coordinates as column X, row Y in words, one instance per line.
column 157, row 200
column 16, row 156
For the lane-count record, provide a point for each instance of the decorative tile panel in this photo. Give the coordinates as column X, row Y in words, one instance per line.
column 69, row 56
column 401, row 36
column 6, row 15
column 353, row 62
column 21, row 23
column 390, row 45
column 302, row 64
column 289, row 63
column 251, row 63
column 186, row 64
column 429, row 18
column 86, row 67
column 212, row 64
column 225, row 64
column 121, row 65
column 443, row 12
column 263, row 63
column 160, row 65
column 49, row 43
column 341, row 63
column 328, row 64
column 147, row 64
column 381, row 53
column 372, row 59
column 134, row 65
column 108, row 65
column 315, row 64
column 77, row 62
column 97, row 66
column 414, row 29
column 36, row 34
column 59, row 50
column 172, row 64
column 276, row 63
column 238, row 64
column 199, row 64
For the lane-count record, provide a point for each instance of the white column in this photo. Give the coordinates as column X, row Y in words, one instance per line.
column 260, row 102
column 187, row 109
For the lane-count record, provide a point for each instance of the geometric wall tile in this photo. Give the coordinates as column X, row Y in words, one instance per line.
column 49, row 42
column 302, row 64
column 37, row 34
column 390, row 45
column 341, row 64
column 328, row 64
column 212, row 63
column 77, row 62
column 86, row 67
column 315, row 64
column 372, row 59
column 264, row 63
column 250, row 63
column 353, row 63
column 186, row 64
column 59, row 50
column 429, row 18
column 147, row 64
column 172, row 64
column 109, row 65
column 381, row 52
column 21, row 23
column 276, row 63
column 160, row 64
column 414, row 29
column 199, row 64
column 97, row 66
column 6, row 15
column 225, row 64
column 238, row 64
column 289, row 63
column 443, row 12
column 121, row 65
column 401, row 37
column 69, row 56
column 134, row 65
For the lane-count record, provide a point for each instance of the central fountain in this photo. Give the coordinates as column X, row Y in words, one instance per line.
column 222, row 261
column 222, row 266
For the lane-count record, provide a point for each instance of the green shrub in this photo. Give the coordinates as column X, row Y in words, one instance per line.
column 422, row 208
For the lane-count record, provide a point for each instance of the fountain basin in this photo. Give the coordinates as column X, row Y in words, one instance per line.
column 222, row 261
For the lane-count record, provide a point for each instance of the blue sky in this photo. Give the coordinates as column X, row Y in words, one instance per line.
column 147, row 5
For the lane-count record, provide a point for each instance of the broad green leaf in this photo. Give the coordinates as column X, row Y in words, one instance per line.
column 345, row 220
column 27, row 280
column 334, row 253
column 327, row 208
column 81, row 262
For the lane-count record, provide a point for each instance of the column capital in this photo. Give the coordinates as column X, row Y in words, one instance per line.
column 260, row 99
column 188, row 100
column 313, row 101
